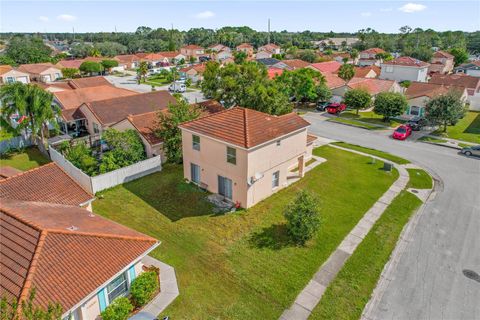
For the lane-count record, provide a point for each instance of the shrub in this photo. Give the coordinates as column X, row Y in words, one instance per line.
column 80, row 156
column 303, row 219
column 119, row 309
column 144, row 287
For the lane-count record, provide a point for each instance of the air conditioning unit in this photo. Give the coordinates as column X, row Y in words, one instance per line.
column 255, row 178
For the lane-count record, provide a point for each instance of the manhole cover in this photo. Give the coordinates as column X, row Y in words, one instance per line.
column 414, row 191
column 470, row 274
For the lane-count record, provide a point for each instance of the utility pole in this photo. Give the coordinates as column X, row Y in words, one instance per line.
column 73, row 29
column 115, row 29
column 268, row 30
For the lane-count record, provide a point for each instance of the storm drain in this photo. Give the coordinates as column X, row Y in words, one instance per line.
column 414, row 191
column 470, row 274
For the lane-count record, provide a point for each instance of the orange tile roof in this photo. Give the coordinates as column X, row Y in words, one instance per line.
column 7, row 172
column 76, row 63
column 244, row 46
column 244, row 127
column 372, row 85
column 126, row 58
column 333, row 80
column 269, row 47
column 48, row 183
column 192, row 46
column 65, row 252
column 362, row 72
column 35, row 68
column 146, row 124
column 424, row 89
column 200, row 68
column 373, row 51
column 71, row 99
column 407, row 61
column 443, row 54
column 328, row 66
column 5, row 68
column 273, row 72
column 169, row 54
column 311, row 138
column 457, row 79
column 150, row 56
column 295, row 63
column 88, row 82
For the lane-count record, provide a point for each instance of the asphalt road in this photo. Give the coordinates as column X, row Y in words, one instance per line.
column 429, row 282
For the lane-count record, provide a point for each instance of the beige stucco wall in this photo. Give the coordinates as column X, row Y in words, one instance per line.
column 14, row 74
column 90, row 119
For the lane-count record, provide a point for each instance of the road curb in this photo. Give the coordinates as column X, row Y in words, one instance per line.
column 441, row 145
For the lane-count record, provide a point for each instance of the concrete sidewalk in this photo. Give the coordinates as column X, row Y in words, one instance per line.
column 310, row 296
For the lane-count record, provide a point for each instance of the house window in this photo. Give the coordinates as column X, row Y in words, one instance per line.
column 231, row 155
column 225, row 187
column 414, row 111
column 279, row 142
column 95, row 128
column 196, row 142
column 275, row 179
column 118, row 287
column 389, row 69
column 10, row 79
column 195, row 173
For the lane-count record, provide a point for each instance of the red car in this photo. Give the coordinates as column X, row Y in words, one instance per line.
column 335, row 108
column 402, row 132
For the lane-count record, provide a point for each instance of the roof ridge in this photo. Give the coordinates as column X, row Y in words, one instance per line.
column 22, row 220
column 208, row 116
column 24, row 172
column 102, row 235
column 246, row 133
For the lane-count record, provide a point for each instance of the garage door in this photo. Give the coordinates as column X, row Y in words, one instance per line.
column 22, row 79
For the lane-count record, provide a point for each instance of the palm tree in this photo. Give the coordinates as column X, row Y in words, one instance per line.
column 142, row 70
column 32, row 104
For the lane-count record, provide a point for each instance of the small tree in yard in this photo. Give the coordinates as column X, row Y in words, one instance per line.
column 119, row 309
column 358, row 99
column 346, row 72
column 69, row 73
column 168, row 129
column 126, row 149
column 445, row 109
column 303, row 218
column 390, row 104
column 323, row 92
column 91, row 67
column 29, row 310
column 144, row 287
column 109, row 64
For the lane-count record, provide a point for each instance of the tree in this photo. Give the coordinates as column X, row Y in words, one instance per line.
column 91, row 67
column 354, row 55
column 109, row 64
column 240, row 57
column 357, row 99
column 346, row 72
column 80, row 156
column 126, row 148
column 80, row 50
column 142, row 70
column 303, row 217
column 460, row 55
column 390, row 104
column 23, row 49
column 168, row 129
column 445, row 109
column 32, row 104
column 119, row 309
column 323, row 92
column 70, row 73
column 301, row 83
column 308, row 55
column 29, row 311
column 7, row 60
column 110, row 49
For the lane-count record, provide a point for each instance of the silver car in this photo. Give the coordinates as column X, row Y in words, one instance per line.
column 471, row 151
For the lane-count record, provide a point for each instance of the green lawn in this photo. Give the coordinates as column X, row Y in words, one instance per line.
column 25, row 160
column 242, row 265
column 370, row 117
column 419, row 179
column 350, row 291
column 355, row 123
column 467, row 129
column 4, row 135
column 374, row 152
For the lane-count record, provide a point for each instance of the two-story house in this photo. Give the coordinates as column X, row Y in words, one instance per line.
column 369, row 57
column 271, row 47
column 192, row 50
column 442, row 62
column 404, row 69
column 245, row 47
column 245, row 155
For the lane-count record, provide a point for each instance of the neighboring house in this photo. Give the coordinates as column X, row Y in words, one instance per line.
column 222, row 55
column 367, row 72
column 368, row 57
column 244, row 155
column 471, row 68
column 245, row 47
column 10, row 75
column 192, row 50
column 472, row 84
column 153, row 59
column 173, row 56
column 79, row 83
column 102, row 114
column 291, row 65
column 327, row 66
column 194, row 72
column 219, row 47
column 442, row 62
column 270, row 47
column 47, row 183
column 404, row 69
column 263, row 55
column 340, row 57
column 373, row 86
column 272, row 72
column 333, row 82
column 72, row 257
column 268, row 61
column 419, row 93
column 76, row 63
column 41, row 72
column 127, row 61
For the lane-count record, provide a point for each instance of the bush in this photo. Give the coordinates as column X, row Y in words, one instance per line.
column 144, row 287
column 303, row 219
column 119, row 309
column 80, row 156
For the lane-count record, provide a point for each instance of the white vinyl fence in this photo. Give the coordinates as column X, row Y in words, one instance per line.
column 109, row 179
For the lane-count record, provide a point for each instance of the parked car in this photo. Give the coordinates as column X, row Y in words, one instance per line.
column 471, row 151
column 177, row 86
column 336, row 108
column 204, row 59
column 322, row 105
column 402, row 132
column 417, row 123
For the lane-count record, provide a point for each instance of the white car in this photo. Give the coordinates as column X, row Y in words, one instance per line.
column 177, row 87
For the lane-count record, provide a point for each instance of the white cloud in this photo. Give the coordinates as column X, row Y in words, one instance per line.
column 66, row 17
column 43, row 18
column 412, row 7
column 205, row 15
column 366, row 14
column 386, row 9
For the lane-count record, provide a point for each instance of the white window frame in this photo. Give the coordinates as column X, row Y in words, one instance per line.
column 192, row 165
column 10, row 80
column 389, row 69
column 195, row 144
column 107, row 291
column 275, row 179
column 231, row 157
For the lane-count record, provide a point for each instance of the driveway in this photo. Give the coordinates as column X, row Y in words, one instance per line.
column 130, row 82
column 429, row 280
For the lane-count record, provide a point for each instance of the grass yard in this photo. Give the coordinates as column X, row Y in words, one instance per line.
column 374, row 152
column 370, row 117
column 467, row 129
column 433, row 140
column 355, row 123
column 5, row 135
column 242, row 265
column 350, row 291
column 419, row 179
column 26, row 159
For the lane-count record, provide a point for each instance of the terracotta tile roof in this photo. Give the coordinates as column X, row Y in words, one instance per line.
column 65, row 252
column 373, row 51
column 296, row 63
column 311, row 138
column 458, row 79
column 192, row 46
column 5, row 68
column 443, row 54
column 269, row 47
column 150, row 56
column 244, row 127
column 328, row 66
column 200, row 68
column 209, row 107
column 333, row 80
column 74, row 98
column 407, row 62
column 110, row 111
column 126, row 58
column 56, row 86
column 7, row 172
column 88, row 82
column 362, row 72
column 72, row 114
column 48, row 183
column 273, row 72
column 423, row 89
column 372, row 85
column 169, row 54
column 244, row 46
column 35, row 68
column 76, row 63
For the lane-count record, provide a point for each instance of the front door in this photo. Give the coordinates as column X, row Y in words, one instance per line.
column 225, row 187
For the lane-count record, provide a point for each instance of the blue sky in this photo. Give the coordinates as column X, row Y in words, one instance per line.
column 384, row 16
